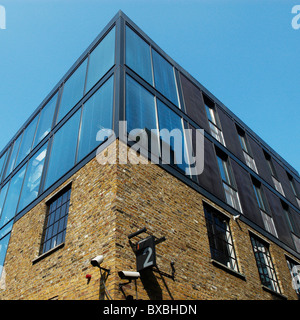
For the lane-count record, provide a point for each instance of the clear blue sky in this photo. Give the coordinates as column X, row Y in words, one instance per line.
column 245, row 52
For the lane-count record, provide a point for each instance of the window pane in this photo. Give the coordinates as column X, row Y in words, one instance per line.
column 5, row 230
column 164, row 77
column 259, row 197
column 138, row 55
column 140, row 107
column 171, row 121
column 54, row 234
column 27, row 140
column 13, row 156
column 210, row 114
column 269, row 223
column 219, row 237
column 45, row 122
column 265, row 265
column 3, row 249
column 3, row 162
column 97, row 115
column 12, row 198
column 72, row 91
column 224, row 170
column 232, row 197
column 102, row 59
column 243, row 143
column 2, row 197
column 33, row 177
column 62, row 157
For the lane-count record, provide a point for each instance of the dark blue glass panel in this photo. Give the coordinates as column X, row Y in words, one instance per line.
column 5, row 230
column 140, row 107
column 13, row 157
column 222, row 165
column 164, row 77
column 169, row 120
column 33, row 178
column 3, row 162
column 138, row 55
column 73, row 90
column 45, row 121
column 3, row 248
column 12, row 197
column 97, row 114
column 27, row 140
column 3, row 193
column 62, row 157
column 102, row 58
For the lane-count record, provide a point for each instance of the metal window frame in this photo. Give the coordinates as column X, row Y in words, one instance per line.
column 58, row 195
column 231, row 253
column 266, row 262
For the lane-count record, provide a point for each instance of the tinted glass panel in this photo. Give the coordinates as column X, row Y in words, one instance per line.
column 97, row 115
column 259, row 197
column 170, row 120
column 224, row 170
column 164, row 77
column 2, row 197
column 27, row 140
column 73, row 90
column 210, row 114
column 63, row 151
column 102, row 59
column 12, row 197
column 140, row 107
column 3, row 249
column 5, row 230
column 138, row 55
column 2, row 163
column 45, row 121
column 12, row 162
column 33, row 177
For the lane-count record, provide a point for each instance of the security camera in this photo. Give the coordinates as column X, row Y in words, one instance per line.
column 97, row 261
column 129, row 275
column 236, row 217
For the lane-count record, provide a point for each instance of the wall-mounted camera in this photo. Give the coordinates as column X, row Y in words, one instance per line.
column 129, row 275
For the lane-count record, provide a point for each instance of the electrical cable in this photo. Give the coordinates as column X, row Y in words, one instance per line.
column 106, row 291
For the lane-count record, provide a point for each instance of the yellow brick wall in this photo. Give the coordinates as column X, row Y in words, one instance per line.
column 108, row 202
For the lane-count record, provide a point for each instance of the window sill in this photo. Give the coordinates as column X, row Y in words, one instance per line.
column 46, row 254
column 274, row 292
column 225, row 268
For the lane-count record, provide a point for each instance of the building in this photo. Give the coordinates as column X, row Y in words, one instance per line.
column 232, row 230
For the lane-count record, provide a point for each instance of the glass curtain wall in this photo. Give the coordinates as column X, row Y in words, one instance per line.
column 45, row 120
column 150, row 65
column 97, row 114
column 144, row 111
column 73, row 141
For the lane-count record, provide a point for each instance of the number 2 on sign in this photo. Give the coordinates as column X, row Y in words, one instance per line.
column 147, row 262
